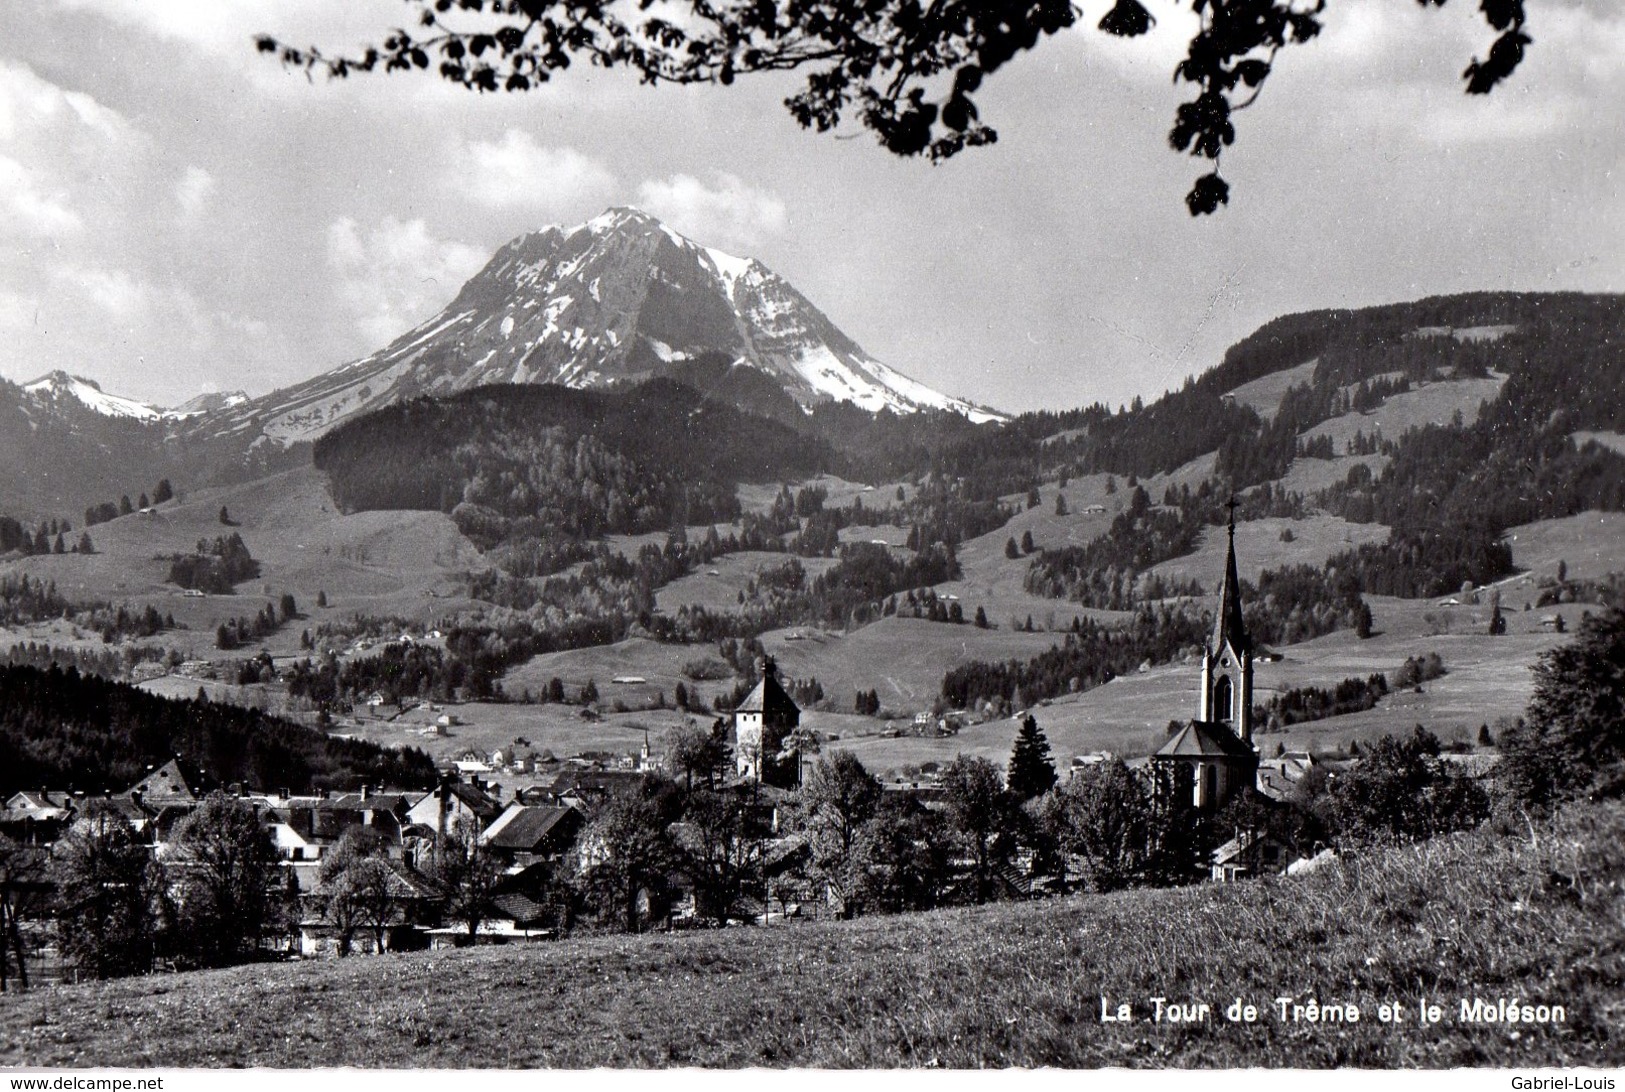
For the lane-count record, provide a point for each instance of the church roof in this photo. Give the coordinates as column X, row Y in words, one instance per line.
column 1205, row 739
column 769, row 697
column 1228, row 626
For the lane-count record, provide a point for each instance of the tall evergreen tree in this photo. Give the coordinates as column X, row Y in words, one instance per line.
column 1031, row 772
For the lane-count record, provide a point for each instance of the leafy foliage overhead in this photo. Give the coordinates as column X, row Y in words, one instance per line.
column 909, row 71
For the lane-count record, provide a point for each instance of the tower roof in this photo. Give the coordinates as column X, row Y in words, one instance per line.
column 769, row 696
column 1228, row 626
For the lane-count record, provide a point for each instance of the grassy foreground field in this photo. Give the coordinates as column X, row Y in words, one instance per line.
column 1471, row 916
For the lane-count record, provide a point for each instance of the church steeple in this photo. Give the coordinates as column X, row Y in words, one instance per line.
column 1228, row 625
column 1227, row 662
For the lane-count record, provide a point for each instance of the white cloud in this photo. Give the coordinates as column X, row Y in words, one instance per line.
column 29, row 211
column 59, row 151
column 16, row 311
column 517, row 173
column 395, row 274
column 730, row 214
column 115, row 291
column 193, row 191
column 228, row 26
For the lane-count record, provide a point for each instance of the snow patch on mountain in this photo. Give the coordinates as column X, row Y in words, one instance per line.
column 89, row 393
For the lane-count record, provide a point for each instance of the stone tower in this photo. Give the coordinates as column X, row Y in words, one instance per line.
column 761, row 723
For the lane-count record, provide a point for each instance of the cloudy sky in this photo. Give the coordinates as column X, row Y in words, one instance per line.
column 179, row 214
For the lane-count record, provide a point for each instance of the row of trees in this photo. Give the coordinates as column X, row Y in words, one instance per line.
column 48, row 537
column 107, row 510
column 994, row 832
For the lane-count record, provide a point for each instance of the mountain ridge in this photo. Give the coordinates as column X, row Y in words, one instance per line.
column 617, row 300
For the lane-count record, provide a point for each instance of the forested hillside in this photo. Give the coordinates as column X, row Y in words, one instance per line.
column 60, row 728
column 537, row 460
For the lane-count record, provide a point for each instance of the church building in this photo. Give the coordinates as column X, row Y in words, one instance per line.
column 762, row 722
column 1213, row 755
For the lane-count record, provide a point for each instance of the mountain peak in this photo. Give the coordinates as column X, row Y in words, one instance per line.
column 618, row 300
column 63, row 385
column 59, row 380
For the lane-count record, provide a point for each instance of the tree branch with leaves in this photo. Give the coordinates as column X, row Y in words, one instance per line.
column 908, row 71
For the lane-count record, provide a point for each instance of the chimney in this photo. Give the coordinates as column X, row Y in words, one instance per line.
column 366, row 792
column 135, row 795
column 283, row 793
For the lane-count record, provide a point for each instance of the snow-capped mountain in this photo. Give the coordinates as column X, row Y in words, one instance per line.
column 61, row 390
column 211, row 402
column 60, row 386
column 614, row 301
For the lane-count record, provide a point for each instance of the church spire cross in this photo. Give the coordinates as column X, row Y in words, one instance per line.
column 1232, row 504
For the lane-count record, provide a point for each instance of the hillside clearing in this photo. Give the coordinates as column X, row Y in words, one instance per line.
column 1259, row 547
column 1464, row 917
column 1591, row 543
column 410, row 564
column 1424, row 404
column 1263, row 395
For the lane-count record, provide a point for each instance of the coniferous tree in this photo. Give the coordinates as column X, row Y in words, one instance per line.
column 1031, row 772
column 1574, row 738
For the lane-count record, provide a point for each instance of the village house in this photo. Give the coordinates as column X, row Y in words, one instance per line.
column 438, row 812
column 1251, row 853
column 36, row 818
column 525, row 834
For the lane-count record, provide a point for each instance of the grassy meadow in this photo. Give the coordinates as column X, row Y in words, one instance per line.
column 1533, row 915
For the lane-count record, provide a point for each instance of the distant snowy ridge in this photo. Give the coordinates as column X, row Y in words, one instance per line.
column 89, row 393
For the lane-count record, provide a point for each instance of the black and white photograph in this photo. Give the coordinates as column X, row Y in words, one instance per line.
column 776, row 536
